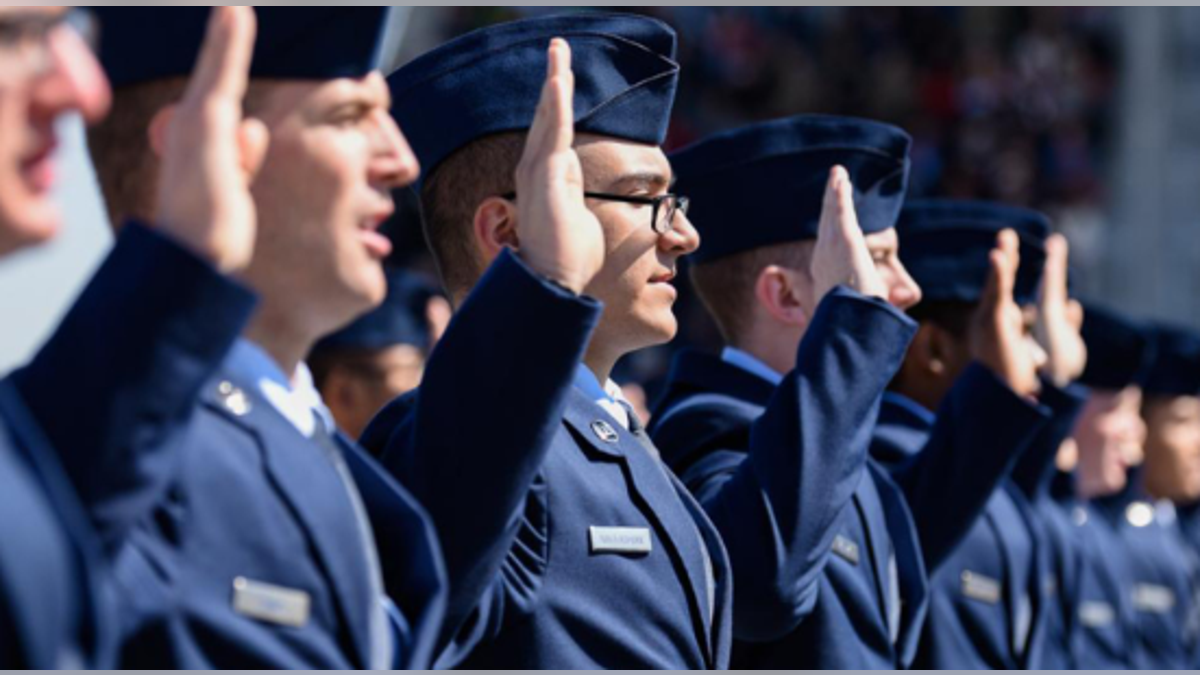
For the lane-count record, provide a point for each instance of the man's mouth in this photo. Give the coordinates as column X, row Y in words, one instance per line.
column 38, row 169
column 378, row 246
column 663, row 278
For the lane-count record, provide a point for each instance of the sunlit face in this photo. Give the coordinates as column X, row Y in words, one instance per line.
column 636, row 282
column 959, row 356
column 325, row 188
column 364, row 383
column 1172, row 464
column 903, row 291
column 45, row 73
column 1109, row 435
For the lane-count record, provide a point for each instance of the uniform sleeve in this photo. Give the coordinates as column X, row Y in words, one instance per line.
column 777, row 506
column 1035, row 470
column 122, row 372
column 488, row 409
column 982, row 428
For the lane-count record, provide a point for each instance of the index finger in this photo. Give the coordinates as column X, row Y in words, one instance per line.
column 847, row 215
column 1004, row 260
column 833, row 209
column 1054, row 285
column 223, row 66
column 547, row 134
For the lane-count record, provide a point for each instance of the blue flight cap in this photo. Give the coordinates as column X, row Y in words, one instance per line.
column 764, row 184
column 142, row 44
column 1176, row 367
column 1120, row 351
column 400, row 320
column 945, row 245
column 489, row 81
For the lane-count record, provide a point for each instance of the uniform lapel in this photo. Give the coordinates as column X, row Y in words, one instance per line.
column 655, row 495
column 1011, row 593
column 722, row 634
column 914, row 582
column 410, row 557
column 1041, row 565
column 877, row 545
column 310, row 485
column 30, row 445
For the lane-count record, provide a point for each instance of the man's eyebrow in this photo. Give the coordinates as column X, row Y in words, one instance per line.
column 651, row 181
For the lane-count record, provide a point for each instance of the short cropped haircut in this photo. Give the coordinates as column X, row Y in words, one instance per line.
column 450, row 196
column 126, row 166
column 726, row 285
column 120, row 147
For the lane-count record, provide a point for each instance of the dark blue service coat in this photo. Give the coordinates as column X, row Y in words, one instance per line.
column 987, row 607
column 828, row 569
column 251, row 557
column 1033, row 475
column 1161, row 581
column 568, row 543
column 82, row 431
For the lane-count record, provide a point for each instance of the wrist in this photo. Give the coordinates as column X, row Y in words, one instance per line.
column 554, row 274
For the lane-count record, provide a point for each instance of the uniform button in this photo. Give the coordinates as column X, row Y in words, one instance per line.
column 234, row 398
column 1139, row 514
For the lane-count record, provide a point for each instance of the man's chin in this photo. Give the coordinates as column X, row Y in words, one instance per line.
column 27, row 222
column 662, row 330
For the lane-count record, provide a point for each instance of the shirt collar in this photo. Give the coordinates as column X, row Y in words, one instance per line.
column 608, row 396
column 297, row 398
column 751, row 364
column 916, row 409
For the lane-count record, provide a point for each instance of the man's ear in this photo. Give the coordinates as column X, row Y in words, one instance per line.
column 157, row 130
column 777, row 290
column 495, row 227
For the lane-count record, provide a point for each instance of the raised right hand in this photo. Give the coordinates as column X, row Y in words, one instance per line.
column 841, row 256
column 211, row 154
column 1060, row 318
column 559, row 237
column 997, row 337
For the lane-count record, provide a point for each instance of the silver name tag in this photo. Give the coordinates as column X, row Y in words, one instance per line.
column 1096, row 614
column 620, row 539
column 846, row 549
column 273, row 604
column 1153, row 599
column 981, row 588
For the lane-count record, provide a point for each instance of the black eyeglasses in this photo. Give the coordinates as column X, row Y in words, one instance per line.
column 663, row 207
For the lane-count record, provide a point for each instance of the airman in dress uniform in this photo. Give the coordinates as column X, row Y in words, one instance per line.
column 987, row 587
column 801, row 272
column 1164, row 570
column 557, row 238
column 1109, row 435
column 82, row 426
column 265, row 549
column 1059, row 319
